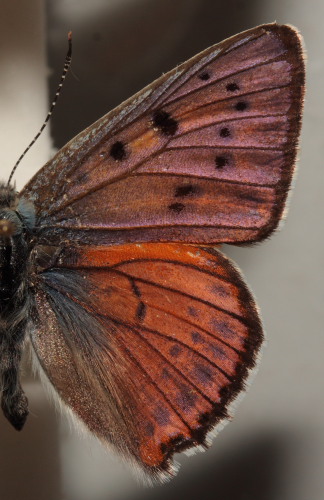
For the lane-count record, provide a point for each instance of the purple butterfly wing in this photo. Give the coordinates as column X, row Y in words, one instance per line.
column 205, row 154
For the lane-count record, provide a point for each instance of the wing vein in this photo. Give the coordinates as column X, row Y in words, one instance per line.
column 89, row 228
column 200, row 67
column 165, row 360
column 184, row 294
column 142, row 369
column 228, row 120
column 238, row 95
column 203, row 177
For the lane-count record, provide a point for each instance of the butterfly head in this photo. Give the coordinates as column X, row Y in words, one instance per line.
column 9, row 221
column 15, row 214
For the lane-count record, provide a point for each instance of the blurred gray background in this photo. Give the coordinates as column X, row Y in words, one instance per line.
column 274, row 448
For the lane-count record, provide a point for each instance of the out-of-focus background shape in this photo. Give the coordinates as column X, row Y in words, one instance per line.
column 274, row 448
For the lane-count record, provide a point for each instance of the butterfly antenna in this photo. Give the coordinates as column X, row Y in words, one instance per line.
column 67, row 64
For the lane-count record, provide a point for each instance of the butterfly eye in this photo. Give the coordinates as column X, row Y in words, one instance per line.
column 7, row 228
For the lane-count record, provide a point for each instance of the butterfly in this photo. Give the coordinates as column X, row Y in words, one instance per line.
column 109, row 266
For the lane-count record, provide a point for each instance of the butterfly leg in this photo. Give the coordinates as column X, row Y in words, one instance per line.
column 14, row 402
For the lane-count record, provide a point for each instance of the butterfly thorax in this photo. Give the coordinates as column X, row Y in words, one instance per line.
column 15, row 227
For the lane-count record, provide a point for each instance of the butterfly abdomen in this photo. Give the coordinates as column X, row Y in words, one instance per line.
column 13, row 305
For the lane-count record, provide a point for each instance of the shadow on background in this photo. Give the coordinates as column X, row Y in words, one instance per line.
column 254, row 469
column 120, row 47
column 29, row 460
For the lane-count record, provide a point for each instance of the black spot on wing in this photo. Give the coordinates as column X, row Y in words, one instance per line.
column 221, row 328
column 217, row 351
column 176, row 207
column 164, row 122
column 135, row 289
column 162, row 416
column 204, row 76
column 232, row 87
column 224, row 132
column 175, row 350
column 221, row 162
column 203, row 374
column 251, row 197
column 241, row 106
column 149, row 429
column 186, row 398
column 193, row 312
column 197, row 338
column 118, row 151
column 165, row 374
column 141, row 311
column 186, row 190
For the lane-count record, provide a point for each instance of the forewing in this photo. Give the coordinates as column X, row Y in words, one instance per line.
column 205, row 154
column 155, row 341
